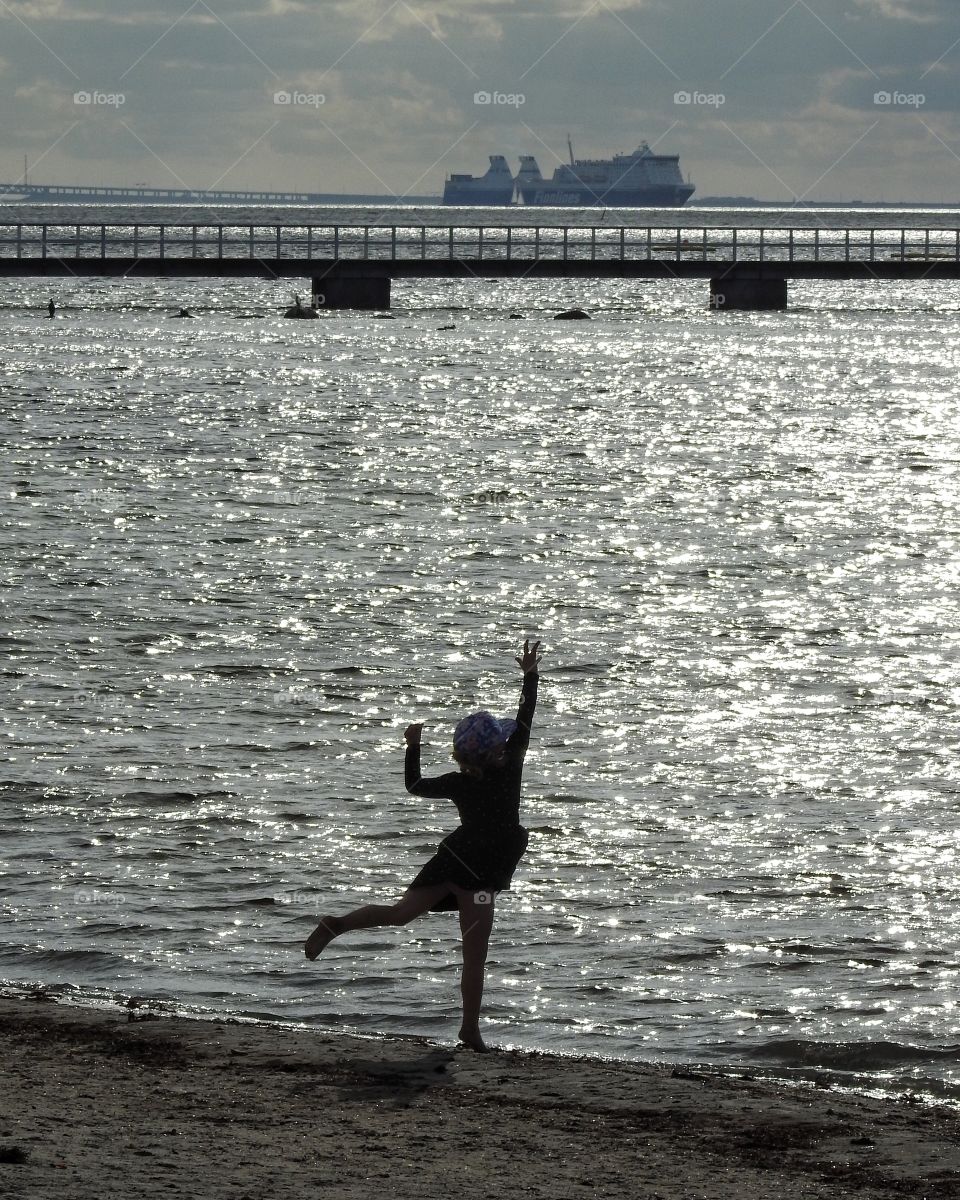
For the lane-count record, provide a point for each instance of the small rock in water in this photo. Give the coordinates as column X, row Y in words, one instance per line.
column 572, row 314
column 515, row 317
column 298, row 311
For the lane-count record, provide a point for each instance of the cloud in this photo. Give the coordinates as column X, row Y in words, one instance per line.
column 399, row 76
column 921, row 12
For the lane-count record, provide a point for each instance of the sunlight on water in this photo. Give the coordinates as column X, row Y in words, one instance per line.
column 242, row 554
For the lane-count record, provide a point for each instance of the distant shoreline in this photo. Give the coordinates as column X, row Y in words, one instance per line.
column 69, row 194
column 751, row 202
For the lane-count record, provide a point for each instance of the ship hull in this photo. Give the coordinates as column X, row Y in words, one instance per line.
column 550, row 195
column 468, row 197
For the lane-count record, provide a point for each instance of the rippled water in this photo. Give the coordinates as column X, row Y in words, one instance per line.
column 691, row 216
column 241, row 554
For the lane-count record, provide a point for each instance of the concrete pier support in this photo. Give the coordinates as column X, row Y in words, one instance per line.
column 748, row 288
column 353, row 290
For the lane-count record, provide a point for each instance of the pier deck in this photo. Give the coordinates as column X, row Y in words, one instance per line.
column 352, row 265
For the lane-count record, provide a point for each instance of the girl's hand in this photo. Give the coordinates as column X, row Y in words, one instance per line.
column 531, row 657
column 413, row 734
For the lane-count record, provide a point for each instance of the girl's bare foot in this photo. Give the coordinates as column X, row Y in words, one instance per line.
column 472, row 1038
column 325, row 932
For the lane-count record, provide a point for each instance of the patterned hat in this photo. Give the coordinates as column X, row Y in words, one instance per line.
column 480, row 735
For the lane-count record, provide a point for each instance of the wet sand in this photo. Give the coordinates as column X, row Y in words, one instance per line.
column 124, row 1104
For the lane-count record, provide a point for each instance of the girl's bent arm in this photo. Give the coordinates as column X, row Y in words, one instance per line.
column 443, row 787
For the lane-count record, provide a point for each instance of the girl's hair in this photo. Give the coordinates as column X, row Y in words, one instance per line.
column 476, row 765
column 468, row 766
column 478, row 741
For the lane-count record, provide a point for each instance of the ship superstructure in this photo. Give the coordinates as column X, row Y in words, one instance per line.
column 496, row 187
column 640, row 179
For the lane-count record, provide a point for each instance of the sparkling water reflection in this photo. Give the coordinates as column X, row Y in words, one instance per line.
column 242, row 553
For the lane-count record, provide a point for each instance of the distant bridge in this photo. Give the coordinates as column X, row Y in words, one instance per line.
column 351, row 266
column 67, row 193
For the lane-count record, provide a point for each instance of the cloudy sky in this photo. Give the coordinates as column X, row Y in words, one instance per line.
column 825, row 99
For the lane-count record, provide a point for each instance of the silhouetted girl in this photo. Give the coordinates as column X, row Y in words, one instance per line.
column 479, row 858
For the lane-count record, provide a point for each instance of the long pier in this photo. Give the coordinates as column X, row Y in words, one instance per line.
column 351, row 266
column 66, row 193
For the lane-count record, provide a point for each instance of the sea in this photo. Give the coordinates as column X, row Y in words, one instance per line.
column 240, row 554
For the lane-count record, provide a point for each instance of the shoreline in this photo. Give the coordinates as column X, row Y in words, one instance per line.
column 135, row 1103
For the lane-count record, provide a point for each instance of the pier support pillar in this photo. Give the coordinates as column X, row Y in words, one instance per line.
column 748, row 289
column 352, row 291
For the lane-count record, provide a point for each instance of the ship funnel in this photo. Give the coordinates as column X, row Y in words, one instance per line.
column 529, row 170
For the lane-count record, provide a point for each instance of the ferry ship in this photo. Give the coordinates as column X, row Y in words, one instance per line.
column 634, row 180
column 496, row 187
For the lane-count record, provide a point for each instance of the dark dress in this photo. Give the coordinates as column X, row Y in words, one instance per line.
column 483, row 853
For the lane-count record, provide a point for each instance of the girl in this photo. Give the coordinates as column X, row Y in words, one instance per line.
column 479, row 858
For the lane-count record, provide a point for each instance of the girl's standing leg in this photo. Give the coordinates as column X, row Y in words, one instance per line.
column 413, row 903
column 476, row 921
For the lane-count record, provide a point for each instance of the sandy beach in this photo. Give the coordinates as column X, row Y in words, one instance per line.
column 113, row 1103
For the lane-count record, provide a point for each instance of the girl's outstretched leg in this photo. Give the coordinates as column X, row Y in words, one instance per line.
column 324, row 933
column 413, row 903
column 476, row 921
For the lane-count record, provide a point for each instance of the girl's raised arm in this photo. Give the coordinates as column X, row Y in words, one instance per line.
column 529, row 660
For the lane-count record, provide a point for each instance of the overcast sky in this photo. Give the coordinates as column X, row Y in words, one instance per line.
column 828, row 99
